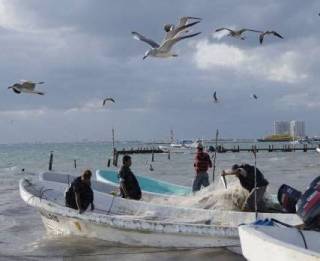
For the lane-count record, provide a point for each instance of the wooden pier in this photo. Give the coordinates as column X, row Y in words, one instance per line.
column 218, row 149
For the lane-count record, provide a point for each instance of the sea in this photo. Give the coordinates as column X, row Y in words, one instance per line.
column 22, row 234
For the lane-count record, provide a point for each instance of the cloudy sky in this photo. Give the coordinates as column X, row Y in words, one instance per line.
column 84, row 51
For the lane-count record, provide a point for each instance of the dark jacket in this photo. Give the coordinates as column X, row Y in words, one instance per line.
column 202, row 162
column 247, row 181
column 85, row 192
column 129, row 186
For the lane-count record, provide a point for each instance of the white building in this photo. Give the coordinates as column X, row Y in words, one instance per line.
column 297, row 128
column 281, row 128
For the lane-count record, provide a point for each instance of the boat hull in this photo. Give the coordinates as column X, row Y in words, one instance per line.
column 265, row 243
column 123, row 229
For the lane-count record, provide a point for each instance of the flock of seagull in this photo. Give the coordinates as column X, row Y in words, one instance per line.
column 172, row 35
column 176, row 33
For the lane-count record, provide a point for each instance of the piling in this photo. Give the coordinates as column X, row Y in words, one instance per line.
column 50, row 161
column 75, row 163
column 109, row 162
column 152, row 156
column 169, row 157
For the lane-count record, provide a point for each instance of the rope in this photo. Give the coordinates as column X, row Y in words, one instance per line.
column 299, row 231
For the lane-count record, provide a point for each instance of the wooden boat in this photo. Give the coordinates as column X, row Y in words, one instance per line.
column 104, row 224
column 147, row 184
column 265, row 243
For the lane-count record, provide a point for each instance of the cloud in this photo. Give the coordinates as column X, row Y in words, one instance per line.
column 24, row 114
column 273, row 65
column 299, row 100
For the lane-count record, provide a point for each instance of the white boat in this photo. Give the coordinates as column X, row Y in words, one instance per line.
column 165, row 212
column 265, row 243
column 104, row 224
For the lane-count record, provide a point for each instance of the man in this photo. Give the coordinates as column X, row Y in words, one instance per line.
column 201, row 164
column 246, row 176
column 129, row 186
column 80, row 194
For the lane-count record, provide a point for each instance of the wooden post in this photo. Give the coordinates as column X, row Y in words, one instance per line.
column 75, row 163
column 152, row 156
column 109, row 162
column 50, row 161
column 115, row 157
column 169, row 157
column 112, row 138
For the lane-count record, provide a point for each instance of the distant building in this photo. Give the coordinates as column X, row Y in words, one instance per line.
column 297, row 128
column 281, row 128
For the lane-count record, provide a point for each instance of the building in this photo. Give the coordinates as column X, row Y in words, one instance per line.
column 297, row 128
column 281, row 128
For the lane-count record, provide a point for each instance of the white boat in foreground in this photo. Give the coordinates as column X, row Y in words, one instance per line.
column 265, row 243
column 123, row 229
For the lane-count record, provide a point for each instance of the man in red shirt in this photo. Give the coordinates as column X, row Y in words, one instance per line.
column 201, row 164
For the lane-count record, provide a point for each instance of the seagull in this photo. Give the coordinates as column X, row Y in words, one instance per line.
column 26, row 86
column 174, row 30
column 215, row 97
column 268, row 32
column 107, row 99
column 237, row 33
column 254, row 96
column 163, row 50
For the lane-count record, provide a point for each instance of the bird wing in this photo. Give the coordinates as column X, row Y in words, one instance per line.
column 223, row 28
column 142, row 38
column 184, row 20
column 249, row 30
column 176, row 30
column 29, row 85
column 277, row 34
column 215, row 96
column 261, row 36
column 107, row 99
column 167, row 45
column 16, row 90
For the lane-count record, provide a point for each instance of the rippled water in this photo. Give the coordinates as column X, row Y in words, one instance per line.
column 22, row 235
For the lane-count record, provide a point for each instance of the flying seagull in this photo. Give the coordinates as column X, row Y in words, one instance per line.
column 254, row 96
column 215, row 97
column 175, row 30
column 163, row 50
column 26, row 86
column 237, row 33
column 266, row 33
column 107, row 99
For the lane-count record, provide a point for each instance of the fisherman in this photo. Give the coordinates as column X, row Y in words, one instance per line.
column 129, row 186
column 246, row 175
column 80, row 195
column 202, row 163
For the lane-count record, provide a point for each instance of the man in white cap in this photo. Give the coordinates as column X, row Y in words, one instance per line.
column 201, row 164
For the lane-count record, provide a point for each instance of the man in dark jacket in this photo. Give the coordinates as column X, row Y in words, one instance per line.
column 129, row 186
column 201, row 164
column 80, row 194
column 246, row 175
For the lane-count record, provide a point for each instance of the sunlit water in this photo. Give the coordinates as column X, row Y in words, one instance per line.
column 23, row 237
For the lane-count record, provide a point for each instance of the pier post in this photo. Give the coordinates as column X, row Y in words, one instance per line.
column 169, row 157
column 50, row 161
column 115, row 157
column 152, row 156
column 109, row 162
column 305, row 147
column 75, row 163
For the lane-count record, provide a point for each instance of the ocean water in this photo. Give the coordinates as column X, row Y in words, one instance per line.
column 23, row 237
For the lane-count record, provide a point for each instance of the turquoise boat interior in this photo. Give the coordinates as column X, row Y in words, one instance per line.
column 146, row 183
